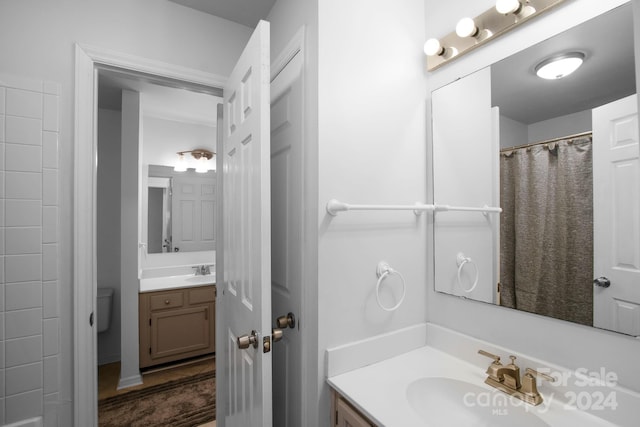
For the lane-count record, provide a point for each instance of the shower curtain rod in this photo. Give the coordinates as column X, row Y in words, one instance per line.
column 547, row 141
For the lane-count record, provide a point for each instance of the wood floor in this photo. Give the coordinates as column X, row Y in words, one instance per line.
column 109, row 374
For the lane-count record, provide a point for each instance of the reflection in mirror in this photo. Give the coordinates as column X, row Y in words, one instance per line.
column 181, row 210
column 561, row 159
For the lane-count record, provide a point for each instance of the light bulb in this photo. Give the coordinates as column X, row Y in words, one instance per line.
column 201, row 165
column 181, row 164
column 466, row 28
column 506, row 7
column 433, row 47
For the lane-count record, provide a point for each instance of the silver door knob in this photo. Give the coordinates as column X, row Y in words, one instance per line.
column 288, row 321
column 246, row 341
column 603, row 282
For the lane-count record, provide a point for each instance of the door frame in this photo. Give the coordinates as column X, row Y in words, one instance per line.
column 88, row 59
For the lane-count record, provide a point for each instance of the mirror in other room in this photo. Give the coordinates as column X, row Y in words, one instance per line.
column 181, row 210
column 560, row 156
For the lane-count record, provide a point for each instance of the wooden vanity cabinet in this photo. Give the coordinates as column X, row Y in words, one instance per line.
column 345, row 415
column 176, row 324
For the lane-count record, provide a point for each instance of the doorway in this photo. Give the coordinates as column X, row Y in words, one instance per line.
column 137, row 153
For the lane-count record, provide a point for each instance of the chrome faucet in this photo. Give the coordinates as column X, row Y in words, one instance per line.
column 507, row 379
column 202, row 270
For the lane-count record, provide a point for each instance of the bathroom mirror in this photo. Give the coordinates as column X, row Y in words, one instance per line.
column 180, row 210
column 538, row 148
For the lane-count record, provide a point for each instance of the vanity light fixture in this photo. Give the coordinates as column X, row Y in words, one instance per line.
column 467, row 27
column 515, row 7
column 473, row 32
column 201, row 156
column 559, row 66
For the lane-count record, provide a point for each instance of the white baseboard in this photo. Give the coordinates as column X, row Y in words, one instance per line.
column 31, row 422
column 129, row 381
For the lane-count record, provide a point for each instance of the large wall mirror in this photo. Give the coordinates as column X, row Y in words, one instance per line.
column 560, row 156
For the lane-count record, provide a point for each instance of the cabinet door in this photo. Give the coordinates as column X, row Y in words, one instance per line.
column 346, row 416
column 180, row 331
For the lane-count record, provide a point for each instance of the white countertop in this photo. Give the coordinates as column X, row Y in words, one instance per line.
column 380, row 390
column 149, row 283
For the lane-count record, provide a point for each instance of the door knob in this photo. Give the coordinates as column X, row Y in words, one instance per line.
column 288, row 321
column 603, row 282
column 245, row 341
column 276, row 334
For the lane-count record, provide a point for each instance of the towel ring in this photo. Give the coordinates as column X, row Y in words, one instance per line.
column 382, row 271
column 462, row 260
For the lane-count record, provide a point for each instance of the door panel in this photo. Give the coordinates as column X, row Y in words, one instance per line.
column 245, row 297
column 616, row 215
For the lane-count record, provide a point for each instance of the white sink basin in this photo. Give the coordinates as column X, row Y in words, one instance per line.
column 444, row 401
column 173, row 278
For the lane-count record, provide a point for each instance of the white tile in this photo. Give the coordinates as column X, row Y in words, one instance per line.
column 51, row 337
column 2, row 242
column 51, row 377
column 23, row 213
column 2, row 298
column 23, row 185
column 24, row 103
column 50, row 299
column 23, row 323
column 2, row 181
column 2, row 155
column 2, row 354
column 2, row 417
column 2, row 326
column 21, row 130
column 22, row 268
column 23, row 378
column 23, row 406
column 2, row 126
column 23, row 158
column 50, row 150
column 49, row 262
column 2, row 271
column 19, row 241
column 49, row 187
column 2, row 383
column 2, row 216
column 50, row 113
column 3, row 94
column 49, row 224
column 20, row 296
column 22, row 351
column 52, row 88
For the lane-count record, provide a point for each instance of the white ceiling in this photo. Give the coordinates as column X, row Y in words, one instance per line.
column 159, row 99
column 608, row 72
column 245, row 12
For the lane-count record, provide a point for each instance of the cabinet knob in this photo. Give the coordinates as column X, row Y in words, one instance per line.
column 167, row 301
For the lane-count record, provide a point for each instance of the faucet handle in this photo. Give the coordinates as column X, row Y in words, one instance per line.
column 496, row 359
column 513, row 360
column 537, row 374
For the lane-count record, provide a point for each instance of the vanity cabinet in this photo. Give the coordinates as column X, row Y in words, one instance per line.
column 176, row 324
column 345, row 415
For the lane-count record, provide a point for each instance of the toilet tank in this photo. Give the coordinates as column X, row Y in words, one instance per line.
column 104, row 307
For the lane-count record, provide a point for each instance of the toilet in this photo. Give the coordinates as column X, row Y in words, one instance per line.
column 103, row 310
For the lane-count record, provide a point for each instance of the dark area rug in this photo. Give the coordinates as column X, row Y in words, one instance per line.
column 187, row 402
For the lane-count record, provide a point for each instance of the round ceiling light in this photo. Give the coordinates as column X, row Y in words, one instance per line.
column 559, row 66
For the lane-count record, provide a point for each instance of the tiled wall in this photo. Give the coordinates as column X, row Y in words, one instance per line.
column 29, row 326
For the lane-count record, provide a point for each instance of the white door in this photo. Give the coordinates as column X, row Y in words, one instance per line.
column 244, row 291
column 193, row 223
column 616, row 216
column 286, row 237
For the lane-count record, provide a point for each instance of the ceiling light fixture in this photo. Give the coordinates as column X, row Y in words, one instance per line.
column 201, row 156
column 559, row 66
